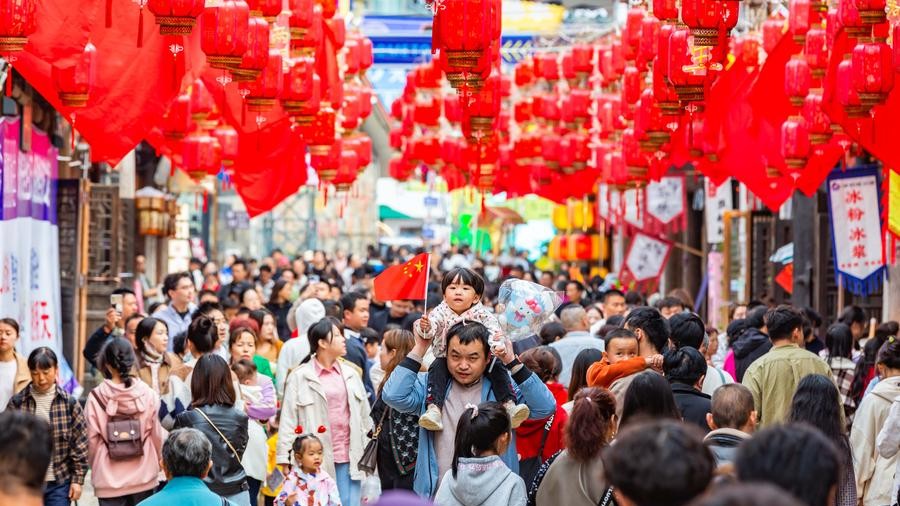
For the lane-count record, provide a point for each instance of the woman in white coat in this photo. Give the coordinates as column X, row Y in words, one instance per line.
column 874, row 469
column 325, row 395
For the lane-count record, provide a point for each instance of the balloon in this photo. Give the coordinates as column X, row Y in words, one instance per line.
column 525, row 307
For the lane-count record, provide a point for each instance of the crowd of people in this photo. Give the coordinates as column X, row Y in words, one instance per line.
column 287, row 382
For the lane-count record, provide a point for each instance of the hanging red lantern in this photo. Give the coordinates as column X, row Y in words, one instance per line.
column 305, row 112
column 227, row 137
column 797, row 80
column 453, row 110
column 578, row 103
column 649, row 43
column 816, row 52
column 350, row 117
column 427, row 76
column 74, row 83
column 851, row 20
column 846, row 91
column 801, row 19
column 257, row 55
column 321, row 131
column 301, row 18
column 546, row 66
column 176, row 121
column 772, row 29
column 523, row 112
column 338, row 30
column 400, row 169
column 17, row 21
column 686, row 65
column 366, row 54
column 631, row 32
column 663, row 91
column 583, row 59
column 425, row 149
column 817, row 121
column 265, row 89
column 611, row 119
column 203, row 106
column 551, row 145
column 636, row 161
column 650, row 125
column 347, row 172
column 524, row 73
column 872, row 12
column 306, row 31
column 266, row 9
column 365, row 102
column 326, row 160
column 464, row 32
column 746, row 50
column 632, row 80
column 705, row 18
column 200, row 156
column 666, row 10
column 546, row 107
column 427, row 112
column 482, row 159
column 362, row 144
column 223, row 33
column 351, row 58
column 575, row 152
column 484, row 108
column 568, row 68
column 795, row 143
column 873, row 72
column 176, row 17
column 329, row 8
column 298, row 82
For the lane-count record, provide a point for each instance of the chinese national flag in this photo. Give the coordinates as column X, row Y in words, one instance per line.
column 404, row 281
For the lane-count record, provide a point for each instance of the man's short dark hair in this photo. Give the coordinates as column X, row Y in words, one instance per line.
column 171, row 281
column 611, row 292
column 684, row 365
column 618, row 333
column 239, row 261
column 186, row 452
column 349, row 299
column 578, row 284
column 652, row 324
column 756, row 317
column 795, row 457
column 668, row 302
column 731, row 406
column 25, row 446
column 782, row 321
column 687, row 330
column 370, row 336
column 747, row 494
column 265, row 268
column 333, row 309
column 669, row 468
column 208, row 307
column 123, row 291
column 470, row 332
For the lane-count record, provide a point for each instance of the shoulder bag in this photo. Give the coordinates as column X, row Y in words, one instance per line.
column 528, row 468
column 227, row 442
column 369, row 460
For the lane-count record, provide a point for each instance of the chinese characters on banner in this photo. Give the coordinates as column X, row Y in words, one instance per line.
column 29, row 246
column 633, row 200
column 718, row 200
column 645, row 260
column 666, row 203
column 856, row 229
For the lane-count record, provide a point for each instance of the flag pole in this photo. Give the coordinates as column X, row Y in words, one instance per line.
column 427, row 279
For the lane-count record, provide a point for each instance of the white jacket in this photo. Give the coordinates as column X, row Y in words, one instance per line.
column 294, row 350
column 305, row 404
column 874, row 473
column 889, row 441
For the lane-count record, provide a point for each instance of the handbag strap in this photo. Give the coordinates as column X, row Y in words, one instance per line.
column 607, row 499
column 220, row 433
column 380, row 422
column 544, row 437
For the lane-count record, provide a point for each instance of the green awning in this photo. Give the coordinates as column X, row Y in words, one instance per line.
column 389, row 213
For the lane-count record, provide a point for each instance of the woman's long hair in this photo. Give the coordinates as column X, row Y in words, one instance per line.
column 477, row 434
column 211, row 382
column 321, row 331
column 589, row 427
column 817, row 402
column 580, row 367
column 649, row 397
column 401, row 341
column 117, row 354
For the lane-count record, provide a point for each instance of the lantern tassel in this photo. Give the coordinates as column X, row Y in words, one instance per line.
column 326, row 197
column 72, row 133
column 9, row 76
column 196, row 202
column 205, row 201
column 108, row 13
column 140, row 34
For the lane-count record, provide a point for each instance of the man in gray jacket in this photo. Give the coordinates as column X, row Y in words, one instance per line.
column 732, row 420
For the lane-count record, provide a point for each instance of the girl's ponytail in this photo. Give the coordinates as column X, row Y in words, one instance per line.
column 478, row 430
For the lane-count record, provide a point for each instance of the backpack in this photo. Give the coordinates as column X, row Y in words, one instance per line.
column 123, row 435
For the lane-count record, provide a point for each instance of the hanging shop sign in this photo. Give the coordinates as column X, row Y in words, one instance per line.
column 853, row 202
column 633, row 202
column 718, row 200
column 29, row 264
column 666, row 201
column 646, row 260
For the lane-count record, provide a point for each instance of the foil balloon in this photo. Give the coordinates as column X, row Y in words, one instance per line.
column 525, row 307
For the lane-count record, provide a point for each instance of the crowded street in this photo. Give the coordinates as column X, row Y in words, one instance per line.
column 449, row 253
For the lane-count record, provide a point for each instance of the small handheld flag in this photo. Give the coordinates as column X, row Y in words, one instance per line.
column 407, row 281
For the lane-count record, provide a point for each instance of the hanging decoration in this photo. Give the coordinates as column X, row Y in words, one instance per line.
column 645, row 261
column 854, row 207
column 666, row 205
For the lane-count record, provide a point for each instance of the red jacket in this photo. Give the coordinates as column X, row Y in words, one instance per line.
column 528, row 435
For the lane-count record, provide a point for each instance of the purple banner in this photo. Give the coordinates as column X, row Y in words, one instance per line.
column 27, row 179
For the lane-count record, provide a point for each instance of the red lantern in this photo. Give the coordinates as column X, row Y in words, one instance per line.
column 266, row 9
column 551, row 145
column 201, row 156
column 327, row 160
column 482, row 159
column 651, row 122
column 366, row 54
column 816, row 52
column 338, row 30
column 706, row 17
column 348, row 170
column 666, row 10
column 522, row 111
column 817, row 121
column 74, row 83
column 453, row 110
column 797, row 80
column 306, row 33
column 301, row 19
column 686, row 74
column 17, row 22
column 773, row 29
column 203, row 106
column 362, row 144
column 484, row 108
column 649, row 44
column 321, row 132
column 524, row 73
column 223, row 33
column 546, row 66
column 425, row 150
column 801, row 19
column 583, row 58
column 305, row 113
column 851, row 19
column 546, row 107
column 427, row 76
column 227, row 138
column 427, row 112
column 265, row 89
column 574, row 152
column 176, row 121
column 746, row 50
column 873, row 72
column 329, row 8
column 568, row 68
column 298, row 83
column 631, row 32
column 464, row 32
column 365, row 102
column 663, row 92
column 632, row 80
column 636, row 162
column 795, row 143
column 846, row 92
column 872, row 12
column 257, row 54
column 400, row 169
column 176, row 17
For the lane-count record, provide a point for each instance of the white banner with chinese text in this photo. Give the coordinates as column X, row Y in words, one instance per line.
column 854, row 205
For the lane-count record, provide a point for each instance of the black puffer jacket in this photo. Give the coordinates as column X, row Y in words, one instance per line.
column 748, row 347
column 227, row 475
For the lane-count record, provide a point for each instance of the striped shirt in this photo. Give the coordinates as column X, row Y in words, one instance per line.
column 42, row 404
